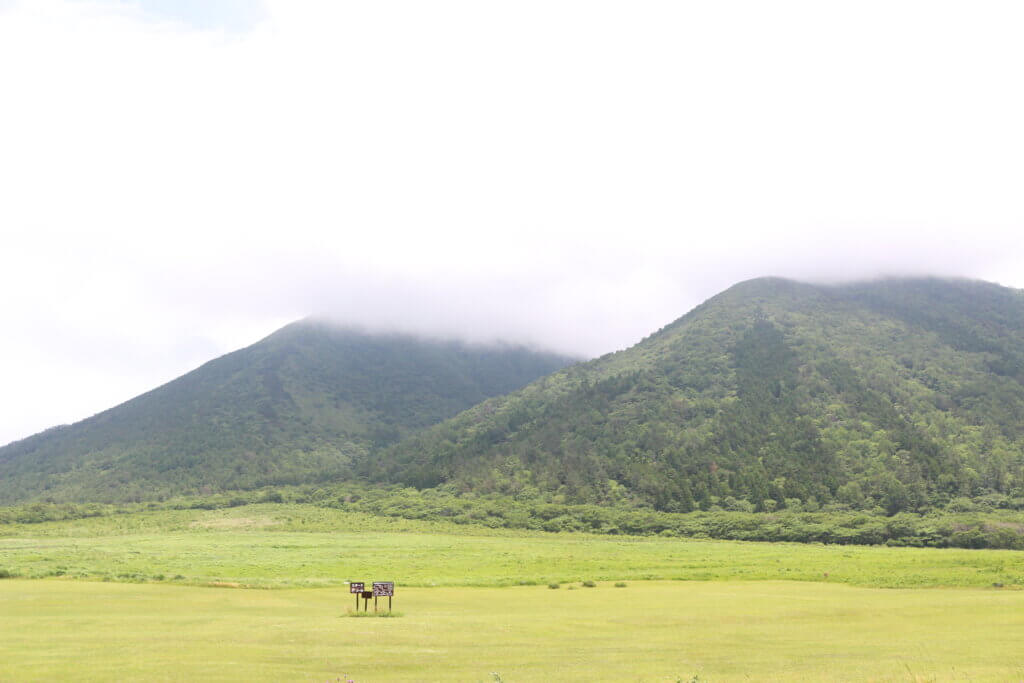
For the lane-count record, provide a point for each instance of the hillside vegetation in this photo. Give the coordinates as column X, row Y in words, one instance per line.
column 774, row 396
column 296, row 407
column 893, row 395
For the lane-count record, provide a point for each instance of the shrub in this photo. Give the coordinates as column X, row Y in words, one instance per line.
column 589, row 584
column 553, row 586
column 961, row 504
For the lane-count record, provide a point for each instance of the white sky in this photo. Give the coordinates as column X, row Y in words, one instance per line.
column 178, row 179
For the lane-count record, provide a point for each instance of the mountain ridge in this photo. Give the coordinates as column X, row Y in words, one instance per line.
column 296, row 406
column 896, row 393
column 899, row 394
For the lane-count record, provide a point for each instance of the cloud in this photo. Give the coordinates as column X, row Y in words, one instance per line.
column 178, row 181
column 232, row 16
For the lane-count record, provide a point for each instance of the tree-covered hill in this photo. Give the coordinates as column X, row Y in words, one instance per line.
column 295, row 407
column 899, row 394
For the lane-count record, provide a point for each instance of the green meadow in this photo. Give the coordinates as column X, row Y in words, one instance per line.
column 278, row 546
column 650, row 631
column 162, row 595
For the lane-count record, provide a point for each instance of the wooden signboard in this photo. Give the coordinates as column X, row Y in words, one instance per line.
column 357, row 588
column 382, row 589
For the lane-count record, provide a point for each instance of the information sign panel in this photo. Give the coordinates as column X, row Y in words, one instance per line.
column 383, row 589
column 356, row 587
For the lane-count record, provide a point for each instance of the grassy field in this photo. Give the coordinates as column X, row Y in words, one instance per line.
column 650, row 631
column 132, row 597
column 303, row 546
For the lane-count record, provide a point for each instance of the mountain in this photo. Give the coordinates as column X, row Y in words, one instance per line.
column 900, row 394
column 295, row 407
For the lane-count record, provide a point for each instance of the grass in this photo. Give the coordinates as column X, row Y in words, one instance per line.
column 475, row 604
column 281, row 546
column 657, row 631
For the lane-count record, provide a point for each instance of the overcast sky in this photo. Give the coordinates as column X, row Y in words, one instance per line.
column 178, row 179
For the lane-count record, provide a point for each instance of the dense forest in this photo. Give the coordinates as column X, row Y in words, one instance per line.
column 896, row 395
column 296, row 407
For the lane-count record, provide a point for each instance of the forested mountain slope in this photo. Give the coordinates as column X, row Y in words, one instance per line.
column 895, row 393
column 295, row 407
